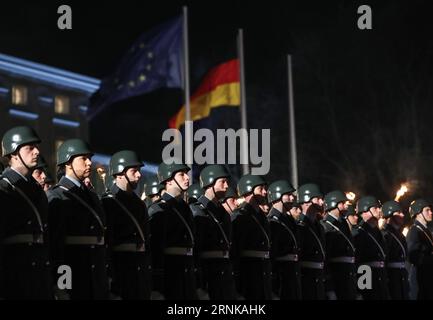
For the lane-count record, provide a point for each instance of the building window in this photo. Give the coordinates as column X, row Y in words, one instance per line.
column 19, row 95
column 61, row 105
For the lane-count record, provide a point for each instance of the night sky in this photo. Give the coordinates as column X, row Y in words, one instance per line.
column 363, row 98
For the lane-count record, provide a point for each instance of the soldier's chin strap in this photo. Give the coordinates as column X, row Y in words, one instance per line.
column 129, row 181
column 231, row 209
column 423, row 216
column 179, row 185
column 75, row 174
column 22, row 161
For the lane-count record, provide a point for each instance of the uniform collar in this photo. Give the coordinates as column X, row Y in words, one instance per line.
column 15, row 171
column 74, row 181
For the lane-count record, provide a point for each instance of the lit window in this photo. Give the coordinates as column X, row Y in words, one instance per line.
column 61, row 105
column 19, row 95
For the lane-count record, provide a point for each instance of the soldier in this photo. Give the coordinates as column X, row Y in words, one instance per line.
column 312, row 234
column 340, row 250
column 285, row 241
column 194, row 192
column 172, row 239
column 25, row 271
column 351, row 218
column 420, row 247
column 128, row 229
column 371, row 248
column 213, row 235
column 251, row 241
column 39, row 172
column 152, row 192
column 397, row 250
column 77, row 221
column 229, row 202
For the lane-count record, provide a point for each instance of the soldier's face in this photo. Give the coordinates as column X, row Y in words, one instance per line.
column 39, row 176
column 288, row 197
column 398, row 218
column 375, row 212
column 134, row 176
column 29, row 153
column 232, row 203
column 260, row 194
column 353, row 219
column 295, row 212
column 82, row 166
column 427, row 213
column 221, row 185
column 182, row 179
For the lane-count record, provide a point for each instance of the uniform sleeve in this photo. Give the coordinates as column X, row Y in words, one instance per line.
column 329, row 237
column 275, row 249
column 107, row 205
column 419, row 253
column 157, row 245
column 236, row 250
column 57, row 225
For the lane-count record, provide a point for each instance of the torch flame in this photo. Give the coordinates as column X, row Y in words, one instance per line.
column 350, row 195
column 400, row 193
column 101, row 172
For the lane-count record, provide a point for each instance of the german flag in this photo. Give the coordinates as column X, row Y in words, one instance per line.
column 220, row 87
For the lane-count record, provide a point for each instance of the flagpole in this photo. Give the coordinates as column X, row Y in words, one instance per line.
column 243, row 109
column 292, row 133
column 188, row 122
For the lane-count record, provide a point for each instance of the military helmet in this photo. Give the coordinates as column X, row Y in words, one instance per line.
column 194, row 191
column 365, row 203
column 389, row 207
column 308, row 191
column 333, row 198
column 152, row 188
column 16, row 137
column 167, row 171
column 42, row 164
column 417, row 206
column 230, row 193
column 123, row 160
column 72, row 148
column 212, row 173
column 248, row 182
column 279, row 188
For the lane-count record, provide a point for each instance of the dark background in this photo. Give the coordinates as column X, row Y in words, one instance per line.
column 363, row 98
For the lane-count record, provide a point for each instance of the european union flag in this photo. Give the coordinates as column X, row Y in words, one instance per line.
column 153, row 62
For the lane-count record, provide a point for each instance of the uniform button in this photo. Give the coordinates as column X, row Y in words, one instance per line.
column 135, row 233
column 316, row 252
column 149, row 267
column 47, row 263
column 92, row 227
column 29, row 222
column 45, row 226
column 222, row 272
column 186, row 270
column 33, row 263
column 380, row 278
column 92, row 247
column 138, row 268
column 263, row 242
column 30, row 243
column 93, row 266
column 106, row 266
column 221, row 241
column 317, row 280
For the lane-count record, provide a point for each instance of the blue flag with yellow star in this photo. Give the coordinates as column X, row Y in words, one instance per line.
column 153, row 62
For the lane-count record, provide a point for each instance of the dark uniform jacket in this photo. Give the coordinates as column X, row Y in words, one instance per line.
column 420, row 252
column 371, row 251
column 25, row 271
column 212, row 247
column 172, row 241
column 285, row 250
column 396, row 263
column 340, row 258
column 78, row 238
column 128, row 239
column 312, row 258
column 250, row 252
